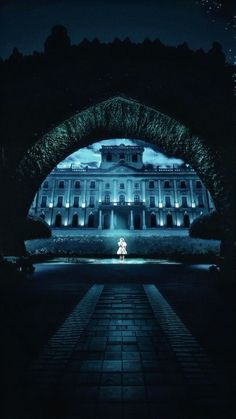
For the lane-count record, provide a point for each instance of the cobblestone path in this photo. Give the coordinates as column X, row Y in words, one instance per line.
column 124, row 353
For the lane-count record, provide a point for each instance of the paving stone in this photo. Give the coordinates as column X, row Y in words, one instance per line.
column 110, row 393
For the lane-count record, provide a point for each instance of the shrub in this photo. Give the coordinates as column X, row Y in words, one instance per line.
column 34, row 228
column 208, row 226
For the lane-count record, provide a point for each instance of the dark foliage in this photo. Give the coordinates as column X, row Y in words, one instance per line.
column 43, row 89
column 208, row 226
column 34, row 228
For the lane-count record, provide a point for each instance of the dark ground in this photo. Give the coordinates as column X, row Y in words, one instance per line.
column 34, row 307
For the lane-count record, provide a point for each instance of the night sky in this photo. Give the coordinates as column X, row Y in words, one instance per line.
column 25, row 24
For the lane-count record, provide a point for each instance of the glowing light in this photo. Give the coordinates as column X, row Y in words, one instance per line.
column 193, row 205
column 82, row 223
column 176, row 205
column 161, row 223
column 50, row 205
column 115, row 203
column 67, row 205
column 160, row 205
column 178, row 223
column 129, row 203
column 83, row 205
column 65, row 223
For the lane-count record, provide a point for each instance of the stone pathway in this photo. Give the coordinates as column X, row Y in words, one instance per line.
column 123, row 353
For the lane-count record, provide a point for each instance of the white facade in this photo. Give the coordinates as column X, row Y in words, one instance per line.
column 121, row 194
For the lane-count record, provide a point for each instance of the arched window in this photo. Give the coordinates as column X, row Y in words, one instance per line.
column 58, row 220
column 169, row 221
column 91, row 220
column 153, row 221
column 186, row 220
column 75, row 220
column 122, row 199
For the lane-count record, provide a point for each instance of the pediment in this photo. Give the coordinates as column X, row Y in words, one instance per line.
column 121, row 169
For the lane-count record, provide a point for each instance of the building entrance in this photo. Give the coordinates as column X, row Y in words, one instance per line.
column 121, row 221
column 137, row 222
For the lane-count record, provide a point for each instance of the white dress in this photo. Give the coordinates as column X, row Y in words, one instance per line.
column 122, row 248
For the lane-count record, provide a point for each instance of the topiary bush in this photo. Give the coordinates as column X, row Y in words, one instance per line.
column 208, row 226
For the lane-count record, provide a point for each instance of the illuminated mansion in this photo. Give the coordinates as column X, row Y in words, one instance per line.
column 121, row 194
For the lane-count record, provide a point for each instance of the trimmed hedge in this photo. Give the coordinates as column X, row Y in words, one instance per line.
column 208, row 226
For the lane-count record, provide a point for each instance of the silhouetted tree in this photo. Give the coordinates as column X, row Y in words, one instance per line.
column 58, row 42
column 216, row 55
column 15, row 56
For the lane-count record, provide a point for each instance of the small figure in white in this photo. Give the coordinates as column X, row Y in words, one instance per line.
column 122, row 249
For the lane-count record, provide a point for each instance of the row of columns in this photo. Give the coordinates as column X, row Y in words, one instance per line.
column 112, row 220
